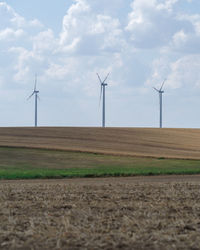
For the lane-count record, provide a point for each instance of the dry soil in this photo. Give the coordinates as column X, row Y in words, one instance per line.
column 107, row 213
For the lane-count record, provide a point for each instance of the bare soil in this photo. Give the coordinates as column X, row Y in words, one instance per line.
column 108, row 213
column 148, row 142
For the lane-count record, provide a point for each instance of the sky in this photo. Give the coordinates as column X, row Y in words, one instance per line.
column 140, row 42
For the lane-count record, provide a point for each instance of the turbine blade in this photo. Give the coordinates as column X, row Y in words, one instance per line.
column 100, row 94
column 31, row 95
column 156, row 89
column 106, row 77
column 162, row 84
column 99, row 78
column 35, row 82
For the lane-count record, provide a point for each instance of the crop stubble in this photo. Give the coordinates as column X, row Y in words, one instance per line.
column 151, row 142
column 111, row 214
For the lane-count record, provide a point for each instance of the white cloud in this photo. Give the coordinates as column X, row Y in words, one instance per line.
column 35, row 23
column 167, row 5
column 9, row 16
column 140, row 48
column 12, row 19
column 153, row 23
column 44, row 41
column 101, row 40
column 25, row 63
column 181, row 73
column 10, row 34
column 179, row 38
column 185, row 72
column 74, row 21
column 87, row 32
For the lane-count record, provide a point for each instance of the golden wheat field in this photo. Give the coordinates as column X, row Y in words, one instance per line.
column 113, row 213
column 152, row 142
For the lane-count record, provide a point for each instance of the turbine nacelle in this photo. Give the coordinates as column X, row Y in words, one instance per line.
column 159, row 91
column 35, row 92
column 104, row 84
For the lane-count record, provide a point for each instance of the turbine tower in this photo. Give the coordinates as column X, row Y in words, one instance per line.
column 160, row 92
column 35, row 92
column 103, row 85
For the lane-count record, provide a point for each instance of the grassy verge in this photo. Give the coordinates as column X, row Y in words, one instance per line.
column 72, row 173
column 16, row 163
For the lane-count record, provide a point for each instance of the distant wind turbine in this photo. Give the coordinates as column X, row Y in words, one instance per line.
column 103, row 85
column 160, row 92
column 35, row 92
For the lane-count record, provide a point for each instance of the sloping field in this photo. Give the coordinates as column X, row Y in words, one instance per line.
column 149, row 142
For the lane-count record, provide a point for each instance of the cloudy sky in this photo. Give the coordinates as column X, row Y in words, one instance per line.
column 66, row 42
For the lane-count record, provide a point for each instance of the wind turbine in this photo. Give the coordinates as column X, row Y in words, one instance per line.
column 160, row 92
column 35, row 92
column 103, row 85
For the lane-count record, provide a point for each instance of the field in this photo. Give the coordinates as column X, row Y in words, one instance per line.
column 83, row 152
column 24, row 163
column 148, row 142
column 140, row 212
column 112, row 213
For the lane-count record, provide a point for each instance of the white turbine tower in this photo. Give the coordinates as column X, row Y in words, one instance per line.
column 103, row 85
column 160, row 92
column 35, row 92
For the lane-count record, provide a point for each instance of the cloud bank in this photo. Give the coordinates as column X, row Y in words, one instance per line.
column 140, row 42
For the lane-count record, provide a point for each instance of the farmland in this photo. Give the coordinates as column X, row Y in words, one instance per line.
column 111, row 213
column 140, row 212
column 81, row 152
column 144, row 142
column 25, row 163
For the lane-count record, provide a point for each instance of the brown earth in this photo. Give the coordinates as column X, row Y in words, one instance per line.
column 107, row 213
column 110, row 180
column 148, row 142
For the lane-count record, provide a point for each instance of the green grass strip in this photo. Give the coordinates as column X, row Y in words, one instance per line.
column 78, row 173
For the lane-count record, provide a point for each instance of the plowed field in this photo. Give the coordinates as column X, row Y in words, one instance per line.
column 151, row 142
column 113, row 213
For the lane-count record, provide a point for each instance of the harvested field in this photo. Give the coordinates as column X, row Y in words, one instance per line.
column 112, row 213
column 25, row 163
column 148, row 142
